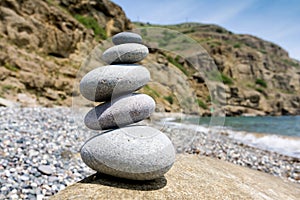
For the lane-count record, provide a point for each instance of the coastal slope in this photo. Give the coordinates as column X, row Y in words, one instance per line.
column 43, row 44
column 259, row 76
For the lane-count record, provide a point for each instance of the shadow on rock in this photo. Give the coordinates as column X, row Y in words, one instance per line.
column 111, row 181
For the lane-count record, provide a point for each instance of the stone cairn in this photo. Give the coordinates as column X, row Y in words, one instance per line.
column 127, row 151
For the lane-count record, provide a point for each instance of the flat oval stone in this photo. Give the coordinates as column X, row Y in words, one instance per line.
column 103, row 83
column 125, row 53
column 126, row 37
column 133, row 152
column 120, row 112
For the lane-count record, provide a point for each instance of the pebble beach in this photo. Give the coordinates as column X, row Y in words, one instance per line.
column 39, row 153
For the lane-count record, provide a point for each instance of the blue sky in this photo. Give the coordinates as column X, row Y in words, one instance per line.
column 277, row 21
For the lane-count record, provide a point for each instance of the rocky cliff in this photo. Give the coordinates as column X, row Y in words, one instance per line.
column 44, row 42
column 259, row 77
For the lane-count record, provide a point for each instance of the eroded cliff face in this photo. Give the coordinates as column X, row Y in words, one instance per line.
column 44, row 42
column 265, row 80
column 259, row 77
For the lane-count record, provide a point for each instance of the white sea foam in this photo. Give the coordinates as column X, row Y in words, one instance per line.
column 281, row 144
column 169, row 119
column 184, row 126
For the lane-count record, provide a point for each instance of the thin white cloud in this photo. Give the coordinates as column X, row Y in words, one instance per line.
column 223, row 14
column 294, row 53
column 170, row 12
column 285, row 31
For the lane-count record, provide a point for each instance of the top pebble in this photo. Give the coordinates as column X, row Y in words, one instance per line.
column 126, row 37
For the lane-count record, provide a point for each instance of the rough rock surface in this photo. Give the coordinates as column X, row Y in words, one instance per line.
column 259, row 76
column 191, row 177
column 44, row 42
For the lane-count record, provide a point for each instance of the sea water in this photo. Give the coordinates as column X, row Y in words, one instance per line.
column 281, row 125
column 280, row 134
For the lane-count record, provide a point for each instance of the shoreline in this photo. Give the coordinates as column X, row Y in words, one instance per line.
column 219, row 144
column 271, row 141
column 32, row 137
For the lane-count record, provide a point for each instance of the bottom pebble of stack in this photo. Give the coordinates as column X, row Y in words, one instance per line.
column 132, row 152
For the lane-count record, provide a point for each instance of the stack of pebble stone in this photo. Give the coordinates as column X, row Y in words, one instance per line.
column 123, row 150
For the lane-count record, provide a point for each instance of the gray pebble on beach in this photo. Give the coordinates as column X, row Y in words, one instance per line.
column 126, row 37
column 120, row 112
column 125, row 53
column 45, row 169
column 103, row 83
column 133, row 152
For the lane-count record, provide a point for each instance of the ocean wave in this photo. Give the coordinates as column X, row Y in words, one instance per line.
column 281, row 144
column 183, row 126
column 285, row 145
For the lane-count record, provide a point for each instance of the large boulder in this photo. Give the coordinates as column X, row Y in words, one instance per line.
column 191, row 177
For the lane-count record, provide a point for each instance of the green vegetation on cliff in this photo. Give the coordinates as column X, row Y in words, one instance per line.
column 91, row 23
